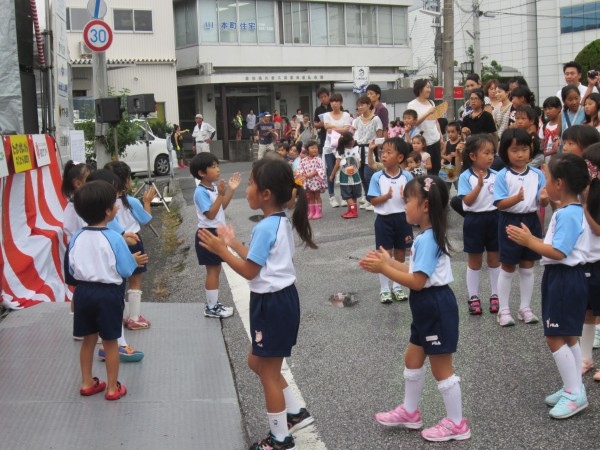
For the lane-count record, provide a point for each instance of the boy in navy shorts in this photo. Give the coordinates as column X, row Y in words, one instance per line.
column 211, row 198
column 392, row 232
column 97, row 263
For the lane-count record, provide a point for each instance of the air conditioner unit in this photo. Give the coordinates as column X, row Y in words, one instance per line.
column 84, row 50
column 205, row 69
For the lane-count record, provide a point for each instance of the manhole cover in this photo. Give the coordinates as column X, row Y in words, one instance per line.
column 256, row 218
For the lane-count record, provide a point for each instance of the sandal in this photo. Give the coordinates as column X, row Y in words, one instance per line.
column 120, row 392
column 131, row 324
column 98, row 386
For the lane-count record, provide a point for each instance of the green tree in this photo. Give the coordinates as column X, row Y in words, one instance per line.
column 589, row 58
column 487, row 71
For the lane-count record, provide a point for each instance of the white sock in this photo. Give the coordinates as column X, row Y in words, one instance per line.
column 494, row 273
column 292, row 404
column 414, row 380
column 134, row 296
column 212, row 295
column 278, row 425
column 450, row 390
column 396, row 285
column 384, row 283
column 526, row 286
column 587, row 340
column 121, row 341
column 473, row 281
column 576, row 350
column 571, row 376
column 504, row 285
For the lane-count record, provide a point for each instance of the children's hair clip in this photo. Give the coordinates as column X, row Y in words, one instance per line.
column 428, row 183
column 592, row 169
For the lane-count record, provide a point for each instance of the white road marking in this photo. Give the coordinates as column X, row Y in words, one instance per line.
column 307, row 438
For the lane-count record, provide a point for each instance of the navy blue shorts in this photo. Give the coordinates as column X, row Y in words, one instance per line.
column 98, row 308
column 564, row 299
column 435, row 320
column 274, row 322
column 480, row 232
column 511, row 252
column 350, row 191
column 592, row 271
column 138, row 247
column 393, row 232
column 206, row 257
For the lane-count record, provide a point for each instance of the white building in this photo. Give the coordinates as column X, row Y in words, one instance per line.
column 274, row 55
column 141, row 58
column 534, row 37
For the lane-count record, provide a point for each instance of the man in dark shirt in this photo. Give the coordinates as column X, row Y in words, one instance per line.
column 323, row 96
column 265, row 134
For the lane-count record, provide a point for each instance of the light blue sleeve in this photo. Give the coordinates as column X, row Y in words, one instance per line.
column 541, row 181
column 426, row 256
column 500, row 187
column 263, row 238
column 125, row 261
column 115, row 226
column 138, row 211
column 374, row 190
column 464, row 187
column 407, row 174
column 568, row 228
column 202, row 199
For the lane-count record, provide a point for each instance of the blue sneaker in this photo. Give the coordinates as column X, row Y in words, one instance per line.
column 126, row 354
column 553, row 399
column 570, row 404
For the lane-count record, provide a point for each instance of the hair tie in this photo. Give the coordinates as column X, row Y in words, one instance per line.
column 592, row 169
column 297, row 182
column 428, row 183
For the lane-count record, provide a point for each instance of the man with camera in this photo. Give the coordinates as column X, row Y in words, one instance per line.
column 572, row 73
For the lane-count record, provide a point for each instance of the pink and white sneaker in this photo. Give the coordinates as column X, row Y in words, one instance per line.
column 399, row 417
column 446, row 430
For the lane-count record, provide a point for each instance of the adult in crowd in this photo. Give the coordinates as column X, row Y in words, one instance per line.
column 265, row 134
column 501, row 113
column 203, row 134
column 335, row 123
column 177, row 144
column 516, row 82
column 304, row 131
column 287, row 132
column 374, row 94
column 427, row 122
column 238, row 124
column 324, row 107
column 489, row 90
column 250, row 123
column 478, row 120
column 572, row 74
column 277, row 120
column 473, row 82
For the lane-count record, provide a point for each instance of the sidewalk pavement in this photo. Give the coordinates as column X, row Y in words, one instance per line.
column 180, row 396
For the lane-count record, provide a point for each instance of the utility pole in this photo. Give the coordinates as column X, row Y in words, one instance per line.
column 476, row 39
column 448, row 56
column 100, row 90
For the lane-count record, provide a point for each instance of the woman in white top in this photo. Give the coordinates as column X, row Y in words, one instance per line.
column 427, row 122
column 335, row 122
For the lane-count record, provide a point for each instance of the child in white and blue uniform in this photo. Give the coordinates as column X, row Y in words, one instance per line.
column 517, row 196
column 274, row 304
column 97, row 262
column 131, row 216
column 564, row 285
column 392, row 231
column 480, row 227
column 434, row 329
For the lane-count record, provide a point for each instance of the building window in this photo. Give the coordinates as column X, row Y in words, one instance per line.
column 316, row 23
column 77, row 18
column 137, row 21
column 580, row 18
column 186, row 23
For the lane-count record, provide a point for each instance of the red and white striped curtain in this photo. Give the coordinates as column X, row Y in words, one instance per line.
column 32, row 240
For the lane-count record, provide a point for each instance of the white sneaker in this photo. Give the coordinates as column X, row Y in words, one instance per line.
column 369, row 207
column 527, row 316
column 504, row 318
column 363, row 205
column 362, row 200
column 344, row 203
column 333, row 202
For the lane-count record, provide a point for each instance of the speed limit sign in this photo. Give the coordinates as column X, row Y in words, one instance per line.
column 97, row 35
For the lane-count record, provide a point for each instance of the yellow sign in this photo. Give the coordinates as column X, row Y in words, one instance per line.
column 20, row 153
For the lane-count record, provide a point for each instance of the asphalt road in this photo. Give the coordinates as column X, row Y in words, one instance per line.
column 348, row 363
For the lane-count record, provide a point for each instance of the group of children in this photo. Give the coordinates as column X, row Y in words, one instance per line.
column 105, row 253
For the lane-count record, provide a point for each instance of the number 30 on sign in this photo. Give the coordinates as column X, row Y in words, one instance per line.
column 97, row 35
